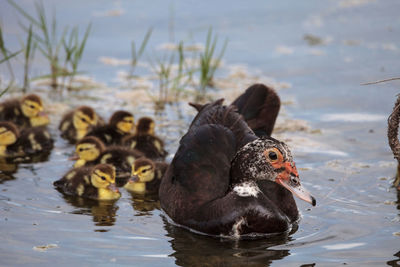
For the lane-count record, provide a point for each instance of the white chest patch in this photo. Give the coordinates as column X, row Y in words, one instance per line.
column 247, row 189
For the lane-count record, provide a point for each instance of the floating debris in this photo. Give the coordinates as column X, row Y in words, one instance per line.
column 45, row 247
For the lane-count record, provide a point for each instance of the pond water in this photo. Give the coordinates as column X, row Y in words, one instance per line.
column 316, row 53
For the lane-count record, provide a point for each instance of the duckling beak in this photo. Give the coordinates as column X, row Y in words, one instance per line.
column 113, row 188
column 294, row 186
column 133, row 179
column 74, row 157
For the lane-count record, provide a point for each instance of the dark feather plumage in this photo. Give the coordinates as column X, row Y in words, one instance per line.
column 197, row 190
column 259, row 106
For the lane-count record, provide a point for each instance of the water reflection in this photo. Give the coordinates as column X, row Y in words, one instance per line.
column 103, row 212
column 9, row 166
column 144, row 204
column 193, row 249
column 7, row 169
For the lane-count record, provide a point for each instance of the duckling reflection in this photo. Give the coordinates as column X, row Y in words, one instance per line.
column 6, row 176
column 103, row 212
column 144, row 204
column 7, row 168
column 200, row 250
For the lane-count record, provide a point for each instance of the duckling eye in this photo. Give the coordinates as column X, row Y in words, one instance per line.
column 31, row 106
column 272, row 155
column 84, row 120
column 80, row 149
column 144, row 171
column 103, row 178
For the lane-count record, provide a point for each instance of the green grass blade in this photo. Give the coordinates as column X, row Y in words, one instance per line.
column 8, row 57
column 23, row 13
column 144, row 42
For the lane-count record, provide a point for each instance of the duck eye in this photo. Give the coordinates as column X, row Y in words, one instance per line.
column 31, row 106
column 272, row 155
column 103, row 178
column 144, row 171
column 80, row 149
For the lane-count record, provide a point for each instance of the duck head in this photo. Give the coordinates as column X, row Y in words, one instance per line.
column 32, row 107
column 87, row 149
column 123, row 121
column 268, row 159
column 145, row 125
column 84, row 117
column 103, row 178
column 8, row 135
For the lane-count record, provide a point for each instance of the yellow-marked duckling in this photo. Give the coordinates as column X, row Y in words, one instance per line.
column 25, row 112
column 29, row 141
column 78, row 122
column 146, row 176
column 94, row 182
column 90, row 150
column 145, row 140
column 121, row 124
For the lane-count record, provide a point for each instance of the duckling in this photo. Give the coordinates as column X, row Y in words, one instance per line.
column 91, row 150
column 25, row 112
column 146, row 176
column 78, row 122
column 94, row 182
column 146, row 141
column 29, row 141
column 120, row 124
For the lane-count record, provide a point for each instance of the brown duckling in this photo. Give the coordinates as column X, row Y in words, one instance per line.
column 145, row 140
column 20, row 143
column 25, row 112
column 78, row 122
column 120, row 124
column 94, row 182
column 90, row 151
column 146, row 176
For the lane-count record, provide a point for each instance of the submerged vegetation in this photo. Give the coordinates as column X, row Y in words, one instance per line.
column 182, row 71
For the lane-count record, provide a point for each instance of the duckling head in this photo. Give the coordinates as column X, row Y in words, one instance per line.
column 87, row 149
column 84, row 117
column 143, row 170
column 268, row 159
column 32, row 107
column 123, row 121
column 103, row 178
column 145, row 125
column 8, row 133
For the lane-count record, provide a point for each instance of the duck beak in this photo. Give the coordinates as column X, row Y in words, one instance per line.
column 289, row 179
column 74, row 157
column 133, row 179
column 113, row 188
column 294, row 186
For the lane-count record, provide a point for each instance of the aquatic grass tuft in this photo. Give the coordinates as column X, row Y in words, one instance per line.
column 163, row 70
column 7, row 56
column 136, row 55
column 74, row 51
column 29, row 53
column 50, row 44
column 208, row 64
